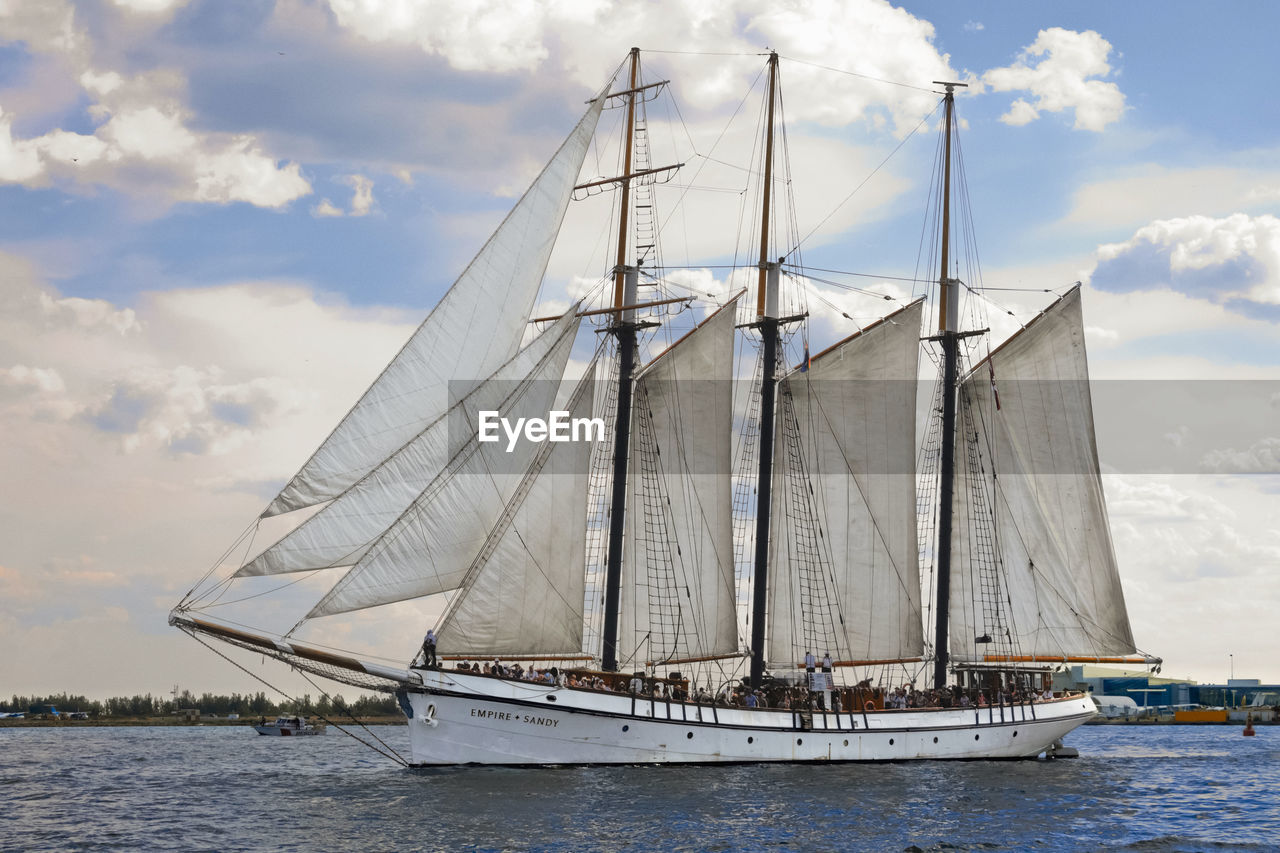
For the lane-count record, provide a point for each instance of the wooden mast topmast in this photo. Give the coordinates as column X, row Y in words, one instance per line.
column 624, row 330
column 767, row 323
column 949, row 336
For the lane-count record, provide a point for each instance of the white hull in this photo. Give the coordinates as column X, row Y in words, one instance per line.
column 473, row 719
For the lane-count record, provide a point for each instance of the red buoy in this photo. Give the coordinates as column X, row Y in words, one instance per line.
column 1248, row 727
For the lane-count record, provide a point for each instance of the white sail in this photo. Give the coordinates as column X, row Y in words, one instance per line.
column 475, row 328
column 340, row 533
column 1058, row 580
column 524, row 591
column 430, row 546
column 677, row 576
column 844, row 573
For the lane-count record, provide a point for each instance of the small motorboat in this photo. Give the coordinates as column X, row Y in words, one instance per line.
column 288, row 727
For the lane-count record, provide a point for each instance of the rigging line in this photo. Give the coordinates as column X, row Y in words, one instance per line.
column 912, row 279
column 218, row 562
column 857, row 74
column 979, row 292
column 864, row 181
column 223, row 586
column 886, row 297
column 330, row 697
column 307, row 574
column 679, row 201
column 703, row 52
column 393, row 755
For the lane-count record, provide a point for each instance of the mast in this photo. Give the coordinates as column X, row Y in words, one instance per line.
column 949, row 336
column 767, row 323
column 624, row 329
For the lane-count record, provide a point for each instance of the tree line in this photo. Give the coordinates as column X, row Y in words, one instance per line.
column 256, row 704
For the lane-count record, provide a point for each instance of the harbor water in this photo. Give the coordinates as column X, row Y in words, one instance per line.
column 1158, row 788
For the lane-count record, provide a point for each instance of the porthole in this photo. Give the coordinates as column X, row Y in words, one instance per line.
column 799, row 741
column 975, row 737
column 626, row 728
column 751, row 740
column 890, row 741
column 689, row 735
column 551, row 698
column 935, row 740
column 846, row 743
column 1015, row 732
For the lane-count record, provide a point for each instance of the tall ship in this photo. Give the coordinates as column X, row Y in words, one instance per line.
column 741, row 550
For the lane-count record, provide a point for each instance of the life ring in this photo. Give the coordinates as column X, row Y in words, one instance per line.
column 868, row 705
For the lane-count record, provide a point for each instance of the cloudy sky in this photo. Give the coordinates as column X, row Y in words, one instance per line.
column 221, row 217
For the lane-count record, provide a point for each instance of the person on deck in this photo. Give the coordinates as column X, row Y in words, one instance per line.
column 826, row 662
column 429, row 649
column 808, row 662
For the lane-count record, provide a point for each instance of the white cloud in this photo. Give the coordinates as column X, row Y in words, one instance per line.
column 35, row 378
column 1220, row 259
column 485, row 35
column 1200, row 547
column 362, row 199
column 47, row 25
column 151, row 7
column 1148, row 192
column 974, row 27
column 326, row 208
column 1060, row 79
column 474, row 35
column 87, row 314
column 1261, row 457
column 1020, row 113
column 141, row 120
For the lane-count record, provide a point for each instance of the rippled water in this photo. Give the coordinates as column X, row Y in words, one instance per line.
column 225, row 788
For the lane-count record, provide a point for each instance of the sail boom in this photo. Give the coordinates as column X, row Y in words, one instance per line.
column 290, row 648
column 1143, row 660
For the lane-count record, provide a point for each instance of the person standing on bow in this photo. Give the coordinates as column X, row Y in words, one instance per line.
column 809, row 662
column 429, row 649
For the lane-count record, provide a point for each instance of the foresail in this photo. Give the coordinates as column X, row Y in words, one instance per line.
column 341, row 532
column 677, row 596
column 476, row 327
column 844, row 568
column 1027, row 417
column 429, row 548
column 523, row 594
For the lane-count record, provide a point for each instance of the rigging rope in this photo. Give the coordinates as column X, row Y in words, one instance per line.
column 390, row 753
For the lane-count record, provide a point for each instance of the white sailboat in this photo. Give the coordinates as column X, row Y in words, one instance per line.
column 413, row 505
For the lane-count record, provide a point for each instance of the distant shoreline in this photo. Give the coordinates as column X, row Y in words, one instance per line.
column 170, row 721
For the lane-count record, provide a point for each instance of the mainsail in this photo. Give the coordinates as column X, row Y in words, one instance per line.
column 1027, row 452
column 523, row 593
column 475, row 328
column 843, row 553
column 677, row 580
column 341, row 532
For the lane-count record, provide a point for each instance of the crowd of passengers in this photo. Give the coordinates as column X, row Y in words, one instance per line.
column 780, row 696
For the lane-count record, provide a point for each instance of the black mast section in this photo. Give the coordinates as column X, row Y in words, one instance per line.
column 625, row 331
column 767, row 323
column 949, row 336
